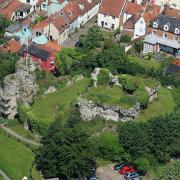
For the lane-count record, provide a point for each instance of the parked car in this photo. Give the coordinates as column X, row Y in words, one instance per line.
column 93, row 175
column 120, row 165
column 131, row 175
column 127, row 169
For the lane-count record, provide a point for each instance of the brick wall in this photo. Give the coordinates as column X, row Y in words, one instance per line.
column 160, row 33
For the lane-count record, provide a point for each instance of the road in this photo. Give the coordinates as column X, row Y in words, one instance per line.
column 108, row 173
column 17, row 136
column 4, row 175
column 70, row 42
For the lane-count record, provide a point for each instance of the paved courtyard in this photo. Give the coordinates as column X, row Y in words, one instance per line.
column 70, row 42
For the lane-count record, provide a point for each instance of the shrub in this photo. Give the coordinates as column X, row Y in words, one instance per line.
column 143, row 164
column 125, row 39
column 128, row 83
column 103, row 77
column 143, row 98
column 108, row 43
column 108, row 147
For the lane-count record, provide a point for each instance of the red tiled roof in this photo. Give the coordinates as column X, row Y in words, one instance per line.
column 52, row 45
column 112, row 7
column 151, row 13
column 41, row 24
column 12, row 46
column 72, row 10
column 133, row 8
column 130, row 23
column 127, row 32
column 168, row 11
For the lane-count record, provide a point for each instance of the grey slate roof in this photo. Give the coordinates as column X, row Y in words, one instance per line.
column 173, row 69
column 171, row 21
column 13, row 27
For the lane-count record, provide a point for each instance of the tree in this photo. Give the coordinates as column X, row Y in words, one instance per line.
column 7, row 64
column 170, row 171
column 92, row 39
column 138, row 46
column 109, row 148
column 125, row 39
column 66, row 153
column 68, row 59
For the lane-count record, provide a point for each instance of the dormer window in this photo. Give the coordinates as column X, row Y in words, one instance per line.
column 69, row 13
column 176, row 31
column 166, row 27
column 155, row 24
column 81, row 5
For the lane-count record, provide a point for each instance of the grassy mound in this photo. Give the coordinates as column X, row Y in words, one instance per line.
column 15, row 159
column 46, row 107
column 164, row 104
column 112, row 96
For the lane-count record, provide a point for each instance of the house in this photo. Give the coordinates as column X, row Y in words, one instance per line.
column 44, row 55
column 16, row 10
column 110, row 14
column 169, row 11
column 80, row 12
column 55, row 6
column 11, row 46
column 55, row 28
column 132, row 9
column 134, row 27
column 171, row 3
column 163, row 35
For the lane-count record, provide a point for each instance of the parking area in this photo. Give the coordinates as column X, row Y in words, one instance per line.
column 108, row 173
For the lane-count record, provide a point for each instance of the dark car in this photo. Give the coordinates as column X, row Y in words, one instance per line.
column 120, row 165
column 131, row 175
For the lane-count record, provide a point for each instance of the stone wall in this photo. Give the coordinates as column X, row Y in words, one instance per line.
column 20, row 86
column 90, row 109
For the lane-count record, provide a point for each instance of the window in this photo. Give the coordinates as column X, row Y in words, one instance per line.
column 154, row 32
column 51, row 38
column 141, row 22
column 176, row 31
column 165, row 35
column 155, row 24
column 176, row 38
column 106, row 23
column 27, row 1
column 166, row 27
column 105, row 15
column 113, row 17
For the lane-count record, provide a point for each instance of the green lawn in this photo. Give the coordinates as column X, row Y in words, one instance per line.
column 46, row 107
column 164, row 104
column 15, row 158
column 111, row 96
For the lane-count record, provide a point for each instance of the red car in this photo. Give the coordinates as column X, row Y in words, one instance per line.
column 126, row 169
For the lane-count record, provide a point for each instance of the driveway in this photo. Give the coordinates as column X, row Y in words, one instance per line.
column 70, row 42
column 108, row 173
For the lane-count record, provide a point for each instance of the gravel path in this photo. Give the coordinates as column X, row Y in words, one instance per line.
column 4, row 175
column 17, row 136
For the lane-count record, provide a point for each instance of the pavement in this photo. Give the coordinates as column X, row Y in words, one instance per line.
column 5, row 177
column 70, row 42
column 17, row 136
column 108, row 173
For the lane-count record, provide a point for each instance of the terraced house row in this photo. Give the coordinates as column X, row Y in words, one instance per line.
column 39, row 22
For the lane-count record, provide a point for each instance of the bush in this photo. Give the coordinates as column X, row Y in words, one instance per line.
column 109, row 148
column 108, row 43
column 128, row 83
column 143, row 164
column 103, row 77
column 125, row 39
column 143, row 98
